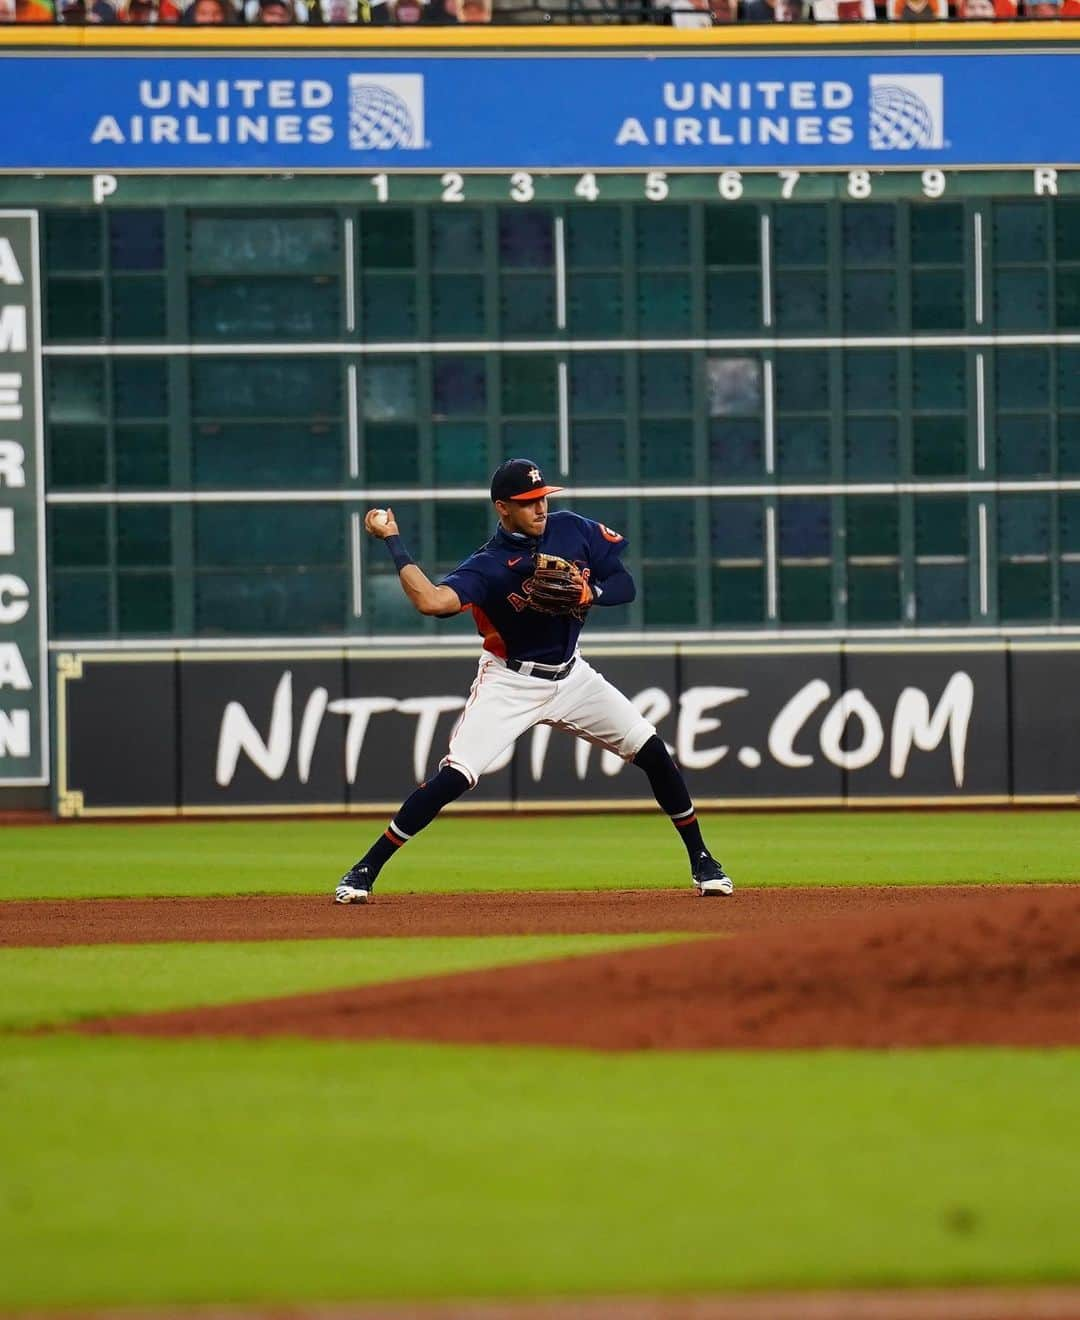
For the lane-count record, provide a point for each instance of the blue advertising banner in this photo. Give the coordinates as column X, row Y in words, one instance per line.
column 300, row 111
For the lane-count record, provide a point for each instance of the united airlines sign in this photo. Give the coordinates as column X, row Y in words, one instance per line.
column 723, row 114
column 300, row 110
column 383, row 113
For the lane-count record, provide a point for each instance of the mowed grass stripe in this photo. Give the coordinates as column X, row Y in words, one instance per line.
column 155, row 1172
column 541, row 853
column 41, row 987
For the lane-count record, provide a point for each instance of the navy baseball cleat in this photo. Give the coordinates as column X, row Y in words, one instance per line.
column 355, row 885
column 709, row 878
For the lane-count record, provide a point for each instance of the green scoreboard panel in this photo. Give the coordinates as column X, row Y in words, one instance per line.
column 828, row 401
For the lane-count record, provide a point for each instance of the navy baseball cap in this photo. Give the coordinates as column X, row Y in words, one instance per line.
column 520, row 479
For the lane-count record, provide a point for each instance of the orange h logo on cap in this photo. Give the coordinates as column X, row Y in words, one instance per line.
column 534, row 475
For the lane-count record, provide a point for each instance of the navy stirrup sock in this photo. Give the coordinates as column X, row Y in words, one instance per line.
column 669, row 789
column 419, row 809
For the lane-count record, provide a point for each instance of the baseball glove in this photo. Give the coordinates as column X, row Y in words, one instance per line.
column 557, row 587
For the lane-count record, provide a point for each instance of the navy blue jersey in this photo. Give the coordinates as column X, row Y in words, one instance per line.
column 490, row 583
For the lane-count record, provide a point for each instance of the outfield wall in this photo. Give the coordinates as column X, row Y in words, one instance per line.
column 786, row 307
column 190, row 732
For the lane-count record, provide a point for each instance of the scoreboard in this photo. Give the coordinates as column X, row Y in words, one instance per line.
column 819, row 410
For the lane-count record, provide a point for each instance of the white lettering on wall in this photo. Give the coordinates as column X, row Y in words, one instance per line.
column 693, row 722
column 11, row 409
column 359, row 711
column 852, row 704
column 14, row 598
column 238, row 734
column 789, row 722
column 13, row 330
column 14, row 733
column 12, row 461
column 10, row 273
column 427, row 710
column 913, row 724
column 13, row 671
column 310, row 724
column 541, row 736
column 102, row 186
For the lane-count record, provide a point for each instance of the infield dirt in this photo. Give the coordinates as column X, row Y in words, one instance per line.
column 775, row 969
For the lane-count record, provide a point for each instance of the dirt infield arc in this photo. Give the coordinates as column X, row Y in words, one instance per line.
column 51, row 923
column 776, row 969
column 961, row 1303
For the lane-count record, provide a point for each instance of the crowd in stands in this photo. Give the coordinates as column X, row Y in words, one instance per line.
column 680, row 13
column 257, row 12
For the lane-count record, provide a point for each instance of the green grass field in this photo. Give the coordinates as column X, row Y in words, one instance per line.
column 589, row 852
column 191, row 1171
column 53, row 986
column 149, row 1172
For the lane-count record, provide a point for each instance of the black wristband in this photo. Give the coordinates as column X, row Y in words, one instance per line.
column 398, row 553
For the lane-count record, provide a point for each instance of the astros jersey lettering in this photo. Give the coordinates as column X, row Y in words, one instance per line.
column 491, row 583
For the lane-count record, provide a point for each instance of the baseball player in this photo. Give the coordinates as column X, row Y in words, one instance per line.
column 530, row 589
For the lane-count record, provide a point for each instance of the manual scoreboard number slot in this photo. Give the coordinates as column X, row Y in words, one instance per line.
column 523, row 187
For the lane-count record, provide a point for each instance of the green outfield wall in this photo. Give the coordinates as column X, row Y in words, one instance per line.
column 827, row 403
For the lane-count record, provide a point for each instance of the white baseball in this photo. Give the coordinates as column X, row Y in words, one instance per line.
column 380, row 518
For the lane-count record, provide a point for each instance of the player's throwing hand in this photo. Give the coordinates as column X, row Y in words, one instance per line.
column 380, row 523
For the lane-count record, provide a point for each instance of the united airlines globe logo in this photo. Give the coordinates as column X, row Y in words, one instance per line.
column 899, row 120
column 378, row 119
column 386, row 112
column 906, row 112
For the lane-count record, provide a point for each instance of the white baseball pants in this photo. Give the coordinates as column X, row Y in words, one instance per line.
column 504, row 704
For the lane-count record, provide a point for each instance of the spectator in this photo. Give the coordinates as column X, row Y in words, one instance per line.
column 474, row 11
column 699, row 13
column 974, row 10
column 87, row 11
column 32, row 11
column 1043, row 9
column 844, row 11
column 337, row 11
column 917, row 11
column 780, row 11
column 273, row 13
column 149, row 11
column 406, row 11
column 208, row 12
column 685, row 13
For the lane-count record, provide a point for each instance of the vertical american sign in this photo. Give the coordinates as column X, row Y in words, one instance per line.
column 23, row 692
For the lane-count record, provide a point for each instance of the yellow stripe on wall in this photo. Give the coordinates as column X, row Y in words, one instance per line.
column 601, row 35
